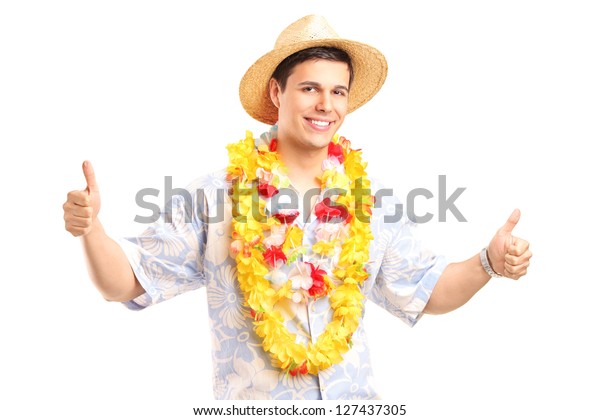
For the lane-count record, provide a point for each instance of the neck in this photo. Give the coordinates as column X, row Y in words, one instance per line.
column 304, row 165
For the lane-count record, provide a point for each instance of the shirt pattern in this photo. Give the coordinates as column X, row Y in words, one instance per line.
column 188, row 247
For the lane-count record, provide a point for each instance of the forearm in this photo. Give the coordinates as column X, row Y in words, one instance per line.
column 108, row 266
column 457, row 285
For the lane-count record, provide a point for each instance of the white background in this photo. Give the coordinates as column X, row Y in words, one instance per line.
column 501, row 97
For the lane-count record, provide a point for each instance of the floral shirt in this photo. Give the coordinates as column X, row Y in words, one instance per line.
column 188, row 247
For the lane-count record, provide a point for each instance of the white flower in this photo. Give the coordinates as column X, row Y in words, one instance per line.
column 331, row 231
column 300, row 276
column 276, row 276
column 225, row 297
column 277, row 237
column 162, row 238
column 264, row 176
column 297, row 297
column 332, row 163
column 251, row 380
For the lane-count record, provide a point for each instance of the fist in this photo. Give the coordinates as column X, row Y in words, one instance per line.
column 82, row 207
column 509, row 255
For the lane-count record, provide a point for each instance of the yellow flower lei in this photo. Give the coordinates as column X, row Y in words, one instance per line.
column 346, row 299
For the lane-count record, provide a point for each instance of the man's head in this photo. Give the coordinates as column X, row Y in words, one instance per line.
column 366, row 64
column 311, row 94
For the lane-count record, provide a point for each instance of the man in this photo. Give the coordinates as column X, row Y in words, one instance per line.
column 301, row 243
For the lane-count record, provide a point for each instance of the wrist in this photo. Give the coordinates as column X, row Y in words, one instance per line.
column 485, row 262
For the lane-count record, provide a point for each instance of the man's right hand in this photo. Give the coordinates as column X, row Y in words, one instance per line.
column 82, row 207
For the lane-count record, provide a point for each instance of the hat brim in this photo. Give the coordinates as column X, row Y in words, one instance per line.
column 370, row 71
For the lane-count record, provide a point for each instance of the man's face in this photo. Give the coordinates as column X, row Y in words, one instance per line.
column 314, row 103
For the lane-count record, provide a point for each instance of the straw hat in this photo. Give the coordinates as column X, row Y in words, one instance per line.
column 370, row 66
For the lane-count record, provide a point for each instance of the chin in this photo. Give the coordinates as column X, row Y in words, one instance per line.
column 322, row 138
column 321, row 143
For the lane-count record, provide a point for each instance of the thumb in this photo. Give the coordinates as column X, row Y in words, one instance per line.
column 511, row 222
column 90, row 177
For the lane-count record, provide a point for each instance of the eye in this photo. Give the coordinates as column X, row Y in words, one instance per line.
column 309, row 89
column 339, row 92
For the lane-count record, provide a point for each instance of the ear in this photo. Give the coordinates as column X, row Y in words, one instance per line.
column 274, row 91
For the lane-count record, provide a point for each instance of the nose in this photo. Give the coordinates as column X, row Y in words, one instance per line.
column 325, row 103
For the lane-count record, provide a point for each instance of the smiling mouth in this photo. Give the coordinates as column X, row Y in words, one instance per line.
column 320, row 123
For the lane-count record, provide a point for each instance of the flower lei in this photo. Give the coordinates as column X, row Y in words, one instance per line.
column 259, row 258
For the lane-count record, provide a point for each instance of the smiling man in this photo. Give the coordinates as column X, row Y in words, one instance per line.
column 303, row 245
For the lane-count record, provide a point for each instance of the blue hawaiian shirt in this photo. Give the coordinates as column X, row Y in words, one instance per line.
column 188, row 247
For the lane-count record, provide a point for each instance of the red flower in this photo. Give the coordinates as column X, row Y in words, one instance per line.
column 273, row 145
column 287, row 216
column 267, row 190
column 336, row 151
column 327, row 211
column 301, row 369
column 256, row 316
column 274, row 254
column 319, row 286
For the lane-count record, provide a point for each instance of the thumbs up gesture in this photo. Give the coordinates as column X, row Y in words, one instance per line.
column 82, row 207
column 508, row 254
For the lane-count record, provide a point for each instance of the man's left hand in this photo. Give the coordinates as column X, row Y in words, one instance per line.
column 508, row 254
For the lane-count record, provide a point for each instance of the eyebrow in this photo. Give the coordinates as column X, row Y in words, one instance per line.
column 315, row 84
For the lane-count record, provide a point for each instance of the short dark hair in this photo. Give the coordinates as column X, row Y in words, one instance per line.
column 284, row 69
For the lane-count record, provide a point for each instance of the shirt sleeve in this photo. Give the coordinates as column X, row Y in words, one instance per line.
column 407, row 275
column 168, row 257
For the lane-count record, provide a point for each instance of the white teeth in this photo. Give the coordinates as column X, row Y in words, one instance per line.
column 320, row 123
